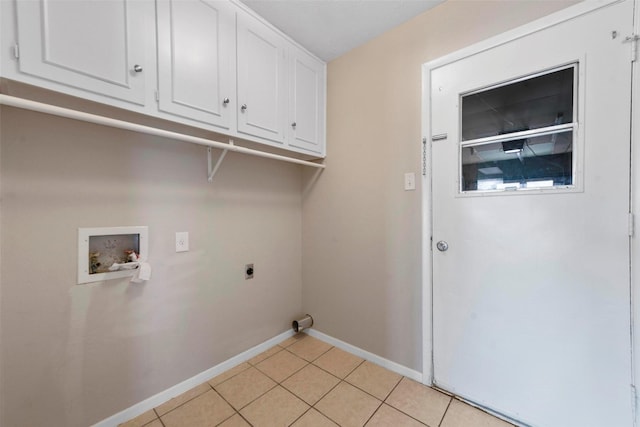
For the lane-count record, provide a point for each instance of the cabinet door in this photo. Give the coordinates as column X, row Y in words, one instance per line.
column 196, row 59
column 261, row 80
column 98, row 46
column 306, row 102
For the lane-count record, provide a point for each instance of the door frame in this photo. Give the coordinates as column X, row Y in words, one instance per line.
column 553, row 19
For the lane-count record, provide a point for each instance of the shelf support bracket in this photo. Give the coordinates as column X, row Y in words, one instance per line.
column 213, row 169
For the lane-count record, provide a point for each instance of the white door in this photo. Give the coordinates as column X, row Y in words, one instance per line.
column 261, row 80
column 306, row 101
column 530, row 192
column 196, row 59
column 98, row 46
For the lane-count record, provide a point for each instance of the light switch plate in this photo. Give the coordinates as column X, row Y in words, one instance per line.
column 409, row 181
column 182, row 241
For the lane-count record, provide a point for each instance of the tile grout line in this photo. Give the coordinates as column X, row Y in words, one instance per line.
column 403, row 413
column 159, row 418
column 226, row 419
column 301, row 415
column 245, row 420
column 280, row 383
column 344, row 380
column 374, row 412
column 238, row 410
column 384, row 401
column 234, row 414
column 330, row 373
column 276, row 385
column 321, row 397
column 341, row 380
column 262, row 360
column 325, row 395
column 400, row 410
column 392, row 389
column 235, row 411
column 258, row 397
column 365, row 391
column 183, row 403
column 478, row 408
column 307, row 363
column 318, row 357
column 152, row 421
column 325, row 415
column 231, row 377
column 445, row 411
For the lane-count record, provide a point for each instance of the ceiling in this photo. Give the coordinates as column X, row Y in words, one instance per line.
column 330, row 28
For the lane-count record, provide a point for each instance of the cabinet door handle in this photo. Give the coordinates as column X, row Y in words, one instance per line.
column 293, row 125
column 244, row 107
column 225, row 101
column 137, row 68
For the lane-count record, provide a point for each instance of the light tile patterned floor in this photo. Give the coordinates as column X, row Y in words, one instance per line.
column 305, row 382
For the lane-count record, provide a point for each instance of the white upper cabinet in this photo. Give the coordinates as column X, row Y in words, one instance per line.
column 196, row 60
column 261, row 80
column 97, row 46
column 306, row 101
column 211, row 64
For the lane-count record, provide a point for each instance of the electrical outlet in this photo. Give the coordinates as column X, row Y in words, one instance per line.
column 182, row 241
column 409, row 181
column 248, row 271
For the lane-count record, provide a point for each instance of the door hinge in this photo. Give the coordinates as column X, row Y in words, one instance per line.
column 631, row 224
column 633, row 39
column 157, row 96
column 16, row 51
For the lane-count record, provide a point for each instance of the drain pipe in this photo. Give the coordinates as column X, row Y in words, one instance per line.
column 303, row 323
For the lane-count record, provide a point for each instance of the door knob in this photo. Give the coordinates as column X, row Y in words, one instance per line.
column 137, row 68
column 225, row 101
column 442, row 246
column 243, row 107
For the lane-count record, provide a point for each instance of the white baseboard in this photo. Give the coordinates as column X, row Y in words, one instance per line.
column 373, row 358
column 163, row 396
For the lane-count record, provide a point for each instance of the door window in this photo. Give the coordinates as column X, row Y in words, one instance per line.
column 520, row 135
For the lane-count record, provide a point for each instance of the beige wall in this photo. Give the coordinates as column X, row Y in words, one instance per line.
column 75, row 354
column 362, row 231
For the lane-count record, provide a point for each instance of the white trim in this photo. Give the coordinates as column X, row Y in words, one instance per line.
column 427, row 232
column 553, row 19
column 540, row 24
column 163, row 396
column 373, row 358
column 634, row 242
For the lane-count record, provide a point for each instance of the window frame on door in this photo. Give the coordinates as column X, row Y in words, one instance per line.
column 575, row 127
